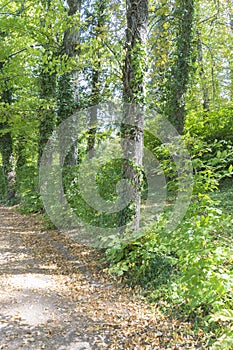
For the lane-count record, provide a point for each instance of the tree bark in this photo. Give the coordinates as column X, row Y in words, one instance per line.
column 179, row 77
column 205, row 90
column 133, row 94
column 230, row 59
column 6, row 146
column 47, row 94
column 96, row 71
column 47, row 115
column 68, row 82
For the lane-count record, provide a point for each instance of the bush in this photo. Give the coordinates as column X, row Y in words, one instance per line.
column 189, row 268
column 27, row 191
column 212, row 162
column 211, row 125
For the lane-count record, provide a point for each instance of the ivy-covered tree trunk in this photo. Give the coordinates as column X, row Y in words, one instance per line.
column 93, row 113
column 6, row 150
column 205, row 89
column 133, row 94
column 230, row 58
column 179, row 76
column 47, row 92
column 99, row 22
column 47, row 108
column 68, row 93
column 6, row 146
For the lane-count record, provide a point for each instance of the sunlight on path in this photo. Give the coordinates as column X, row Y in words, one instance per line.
column 30, row 298
column 32, row 281
column 55, row 296
column 34, row 311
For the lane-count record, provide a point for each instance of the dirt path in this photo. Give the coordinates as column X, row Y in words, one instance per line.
column 55, row 296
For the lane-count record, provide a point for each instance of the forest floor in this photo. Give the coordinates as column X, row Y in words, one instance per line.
column 56, row 295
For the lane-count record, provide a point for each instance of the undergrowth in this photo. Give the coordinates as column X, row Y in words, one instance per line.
column 188, row 270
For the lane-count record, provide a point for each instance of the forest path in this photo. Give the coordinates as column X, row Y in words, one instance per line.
column 54, row 295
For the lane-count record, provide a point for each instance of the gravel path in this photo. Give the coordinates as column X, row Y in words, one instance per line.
column 55, row 296
column 35, row 310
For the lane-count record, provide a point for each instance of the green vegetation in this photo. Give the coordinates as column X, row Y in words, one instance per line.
column 172, row 57
column 189, row 270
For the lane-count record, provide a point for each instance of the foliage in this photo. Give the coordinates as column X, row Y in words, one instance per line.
column 182, row 68
column 210, row 125
column 225, row 319
column 187, row 268
column 190, row 268
column 212, row 162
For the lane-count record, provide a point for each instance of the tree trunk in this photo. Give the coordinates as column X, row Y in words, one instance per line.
column 179, row 77
column 6, row 147
column 230, row 59
column 47, row 115
column 7, row 162
column 68, row 82
column 96, row 71
column 133, row 94
column 205, row 90
column 47, row 81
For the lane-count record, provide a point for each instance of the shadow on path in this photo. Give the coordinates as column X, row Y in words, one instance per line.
column 54, row 295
